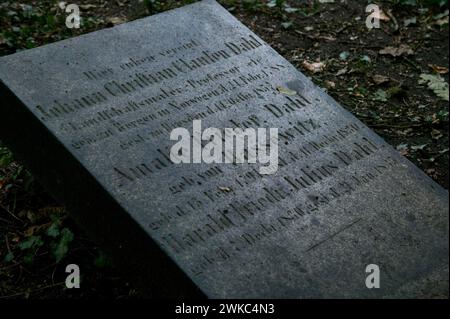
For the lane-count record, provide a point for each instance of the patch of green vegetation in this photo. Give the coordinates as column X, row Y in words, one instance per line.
column 251, row 5
column 102, row 260
column 424, row 3
column 362, row 65
column 6, row 157
column 56, row 237
column 157, row 6
column 25, row 26
column 31, row 246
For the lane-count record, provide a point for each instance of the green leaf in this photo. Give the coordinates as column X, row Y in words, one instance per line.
column 437, row 84
column 419, row 147
column 32, row 241
column 380, row 95
column 402, row 146
column 28, row 258
column 53, row 230
column 287, row 25
column 62, row 247
column 344, row 55
column 290, row 10
column 9, row 257
column 102, row 260
column 6, row 157
column 410, row 21
column 286, row 91
column 366, row 59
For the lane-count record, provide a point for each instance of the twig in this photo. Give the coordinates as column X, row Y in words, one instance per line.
column 415, row 66
column 31, row 291
column 396, row 126
column 394, row 20
column 345, row 26
column 9, row 212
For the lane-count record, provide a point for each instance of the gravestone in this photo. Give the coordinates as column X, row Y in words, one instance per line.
column 91, row 117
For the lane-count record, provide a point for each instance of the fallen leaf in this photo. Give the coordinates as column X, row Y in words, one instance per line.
column 403, row 49
column 290, row 10
column 436, row 134
column 366, row 58
column 344, row 55
column 87, row 6
column 410, row 21
column 404, row 153
column 330, row 84
column 328, row 38
column 418, row 147
column 286, row 91
column 441, row 22
column 62, row 5
column 341, row 72
column 404, row 132
column 314, row 67
column 438, row 69
column 396, row 91
column 35, row 229
column 441, row 15
column 437, row 84
column 380, row 79
column 287, row 25
column 380, row 95
column 116, row 20
column 403, row 149
column 380, row 15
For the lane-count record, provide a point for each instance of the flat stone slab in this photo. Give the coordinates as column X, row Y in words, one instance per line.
column 91, row 116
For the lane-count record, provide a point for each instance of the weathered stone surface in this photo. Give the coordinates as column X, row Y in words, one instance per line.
column 92, row 117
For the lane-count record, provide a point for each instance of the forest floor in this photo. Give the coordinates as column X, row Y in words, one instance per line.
column 393, row 78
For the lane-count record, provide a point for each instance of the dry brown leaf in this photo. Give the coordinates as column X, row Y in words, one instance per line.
column 35, row 229
column 380, row 79
column 330, row 84
column 438, row 69
column 380, row 15
column 404, row 152
column 87, row 6
column 116, row 20
column 341, row 71
column 442, row 21
column 431, row 172
column 436, row 134
column 403, row 49
column 314, row 67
